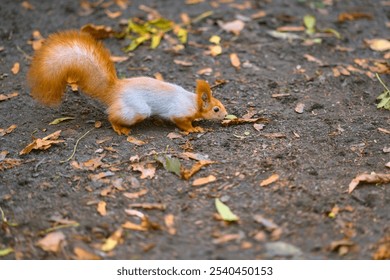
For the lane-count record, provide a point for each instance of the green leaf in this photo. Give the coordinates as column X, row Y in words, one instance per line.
column 173, row 165
column 136, row 28
column 182, row 34
column 230, row 117
column 225, row 212
column 156, row 39
column 136, row 42
column 310, row 23
column 383, row 102
column 59, row 120
column 6, row 251
column 333, row 31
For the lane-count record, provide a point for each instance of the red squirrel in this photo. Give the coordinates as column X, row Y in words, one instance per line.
column 76, row 56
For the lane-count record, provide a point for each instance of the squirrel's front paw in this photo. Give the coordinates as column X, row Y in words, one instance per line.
column 121, row 129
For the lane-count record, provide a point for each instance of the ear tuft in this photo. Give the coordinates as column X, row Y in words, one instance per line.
column 204, row 94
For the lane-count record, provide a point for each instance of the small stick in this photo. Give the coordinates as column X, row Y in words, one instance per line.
column 75, row 146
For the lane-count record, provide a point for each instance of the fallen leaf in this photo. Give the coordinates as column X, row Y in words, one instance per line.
column 205, row 71
column 60, row 120
column 7, row 130
column 259, row 14
column 313, row 59
column 183, row 62
column 8, row 163
column 170, row 223
column 6, row 251
column 274, row 135
column 93, row 163
column 258, row 126
column 227, row 238
column 225, row 212
column 341, row 246
column 383, row 130
column 215, row 39
column 284, row 35
column 215, row 50
column 188, row 173
column 98, row 31
column 101, row 208
column 37, row 41
column 112, row 241
column 310, row 23
column 81, row 254
column 268, row 224
column 235, row 61
column 101, row 175
column 372, row 178
column 158, row 76
column 353, row 16
column 42, row 144
column 272, row 179
column 234, row 27
column 282, row 249
column 135, row 194
column 147, row 170
column 204, row 180
column 112, row 15
column 27, row 5
column 174, row 135
column 379, row 45
column 52, row 242
column 194, row 156
column 119, row 59
column 15, row 68
column 134, row 226
column 290, row 29
column 8, row 96
column 158, row 206
column 299, row 108
column 135, row 141
column 242, row 121
column 383, row 249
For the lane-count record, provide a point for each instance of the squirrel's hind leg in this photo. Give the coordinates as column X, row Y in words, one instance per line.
column 121, row 122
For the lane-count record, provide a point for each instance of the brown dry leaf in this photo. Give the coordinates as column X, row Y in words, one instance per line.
column 37, row 40
column 135, row 194
column 15, row 68
column 203, row 181
column 112, row 241
column 112, row 15
column 299, row 108
column 101, row 175
column 134, row 226
column 372, row 178
column 194, row 156
column 147, row 170
column 8, row 96
column 27, row 5
column 215, row 50
column 383, row 251
column 313, row 59
column 193, row 2
column 101, row 208
column 98, row 31
column 242, row 121
column 8, row 163
column 52, row 242
column 146, row 205
column 174, row 135
column 379, row 45
column 170, row 223
column 135, row 141
column 183, row 62
column 7, row 130
column 243, row 6
column 81, row 254
column 258, row 126
column 353, row 16
column 341, row 246
column 259, row 14
column 185, row 18
column 93, row 163
column 123, row 4
column 235, row 61
column 383, row 130
column 188, row 173
column 234, row 27
column 158, row 76
column 291, row 29
column 272, row 179
column 226, row 238
column 118, row 59
column 43, row 144
column 205, row 71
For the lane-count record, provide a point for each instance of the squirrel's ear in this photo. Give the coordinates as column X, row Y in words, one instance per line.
column 204, row 94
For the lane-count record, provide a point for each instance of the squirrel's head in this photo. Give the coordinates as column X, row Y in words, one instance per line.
column 210, row 108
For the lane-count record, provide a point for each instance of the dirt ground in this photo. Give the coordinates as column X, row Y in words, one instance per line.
column 315, row 150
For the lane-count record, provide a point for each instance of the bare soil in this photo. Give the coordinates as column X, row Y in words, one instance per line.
column 307, row 213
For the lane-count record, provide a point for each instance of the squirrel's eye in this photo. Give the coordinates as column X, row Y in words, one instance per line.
column 216, row 109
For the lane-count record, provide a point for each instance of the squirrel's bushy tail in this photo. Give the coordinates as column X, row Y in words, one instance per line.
column 75, row 57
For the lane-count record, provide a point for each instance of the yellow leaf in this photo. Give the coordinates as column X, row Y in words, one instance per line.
column 15, row 69
column 235, row 61
column 112, row 241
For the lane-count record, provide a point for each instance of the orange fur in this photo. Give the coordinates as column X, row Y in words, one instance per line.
column 55, row 64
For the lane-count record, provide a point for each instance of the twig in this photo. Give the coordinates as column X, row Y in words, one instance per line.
column 383, row 84
column 28, row 57
column 75, row 146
